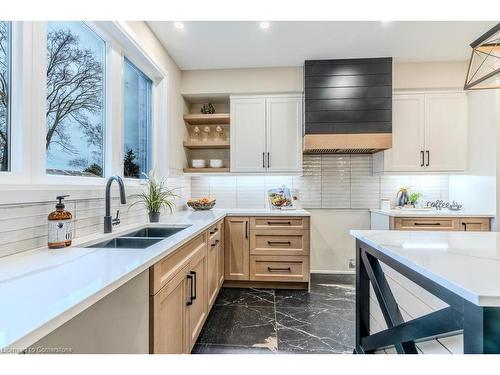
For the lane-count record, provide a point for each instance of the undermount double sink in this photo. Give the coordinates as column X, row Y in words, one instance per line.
column 139, row 239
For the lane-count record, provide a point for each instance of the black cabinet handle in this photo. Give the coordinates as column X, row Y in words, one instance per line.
column 190, row 302
column 215, row 243
column 275, row 269
column 279, row 223
column 270, row 243
column 268, row 160
column 246, row 229
column 214, row 231
column 465, row 226
column 263, row 160
column 428, row 158
column 426, row 224
column 193, row 294
column 422, row 161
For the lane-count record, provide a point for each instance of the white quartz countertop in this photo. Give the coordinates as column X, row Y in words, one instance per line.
column 42, row 289
column 467, row 263
column 409, row 212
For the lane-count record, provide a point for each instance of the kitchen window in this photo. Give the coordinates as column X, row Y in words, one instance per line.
column 137, row 121
column 75, row 105
column 5, row 101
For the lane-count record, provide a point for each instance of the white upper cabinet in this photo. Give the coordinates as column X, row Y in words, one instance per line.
column 446, row 132
column 266, row 134
column 248, row 134
column 429, row 134
column 284, row 134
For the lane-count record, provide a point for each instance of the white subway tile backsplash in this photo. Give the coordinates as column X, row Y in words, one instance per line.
column 365, row 188
column 335, row 181
column 328, row 181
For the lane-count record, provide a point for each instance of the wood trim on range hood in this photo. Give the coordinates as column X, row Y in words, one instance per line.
column 346, row 143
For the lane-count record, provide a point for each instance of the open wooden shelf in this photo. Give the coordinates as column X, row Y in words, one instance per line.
column 206, row 170
column 206, row 145
column 203, row 119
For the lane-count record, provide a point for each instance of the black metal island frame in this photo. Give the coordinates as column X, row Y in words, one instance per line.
column 479, row 323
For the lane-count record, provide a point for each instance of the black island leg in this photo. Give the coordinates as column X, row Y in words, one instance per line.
column 362, row 302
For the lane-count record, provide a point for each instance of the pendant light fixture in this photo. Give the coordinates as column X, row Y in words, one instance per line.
column 484, row 64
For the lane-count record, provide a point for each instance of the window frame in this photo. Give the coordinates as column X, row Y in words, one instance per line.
column 150, row 120
column 28, row 93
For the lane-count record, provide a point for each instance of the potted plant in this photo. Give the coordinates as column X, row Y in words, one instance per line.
column 155, row 197
column 414, row 197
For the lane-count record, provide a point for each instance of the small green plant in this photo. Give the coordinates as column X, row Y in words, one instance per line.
column 156, row 195
column 414, row 197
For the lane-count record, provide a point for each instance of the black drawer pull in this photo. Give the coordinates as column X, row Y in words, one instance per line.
column 277, row 269
column 279, row 223
column 215, row 243
column 190, row 302
column 271, row 243
column 214, row 231
column 427, row 224
column 194, row 294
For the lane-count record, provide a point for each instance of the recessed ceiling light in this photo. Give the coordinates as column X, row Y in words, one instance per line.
column 385, row 23
column 179, row 25
column 264, row 25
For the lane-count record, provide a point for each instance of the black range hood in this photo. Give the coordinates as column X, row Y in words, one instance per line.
column 348, row 105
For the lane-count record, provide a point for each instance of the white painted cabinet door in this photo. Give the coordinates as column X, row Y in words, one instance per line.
column 408, row 123
column 446, row 132
column 284, row 134
column 248, row 134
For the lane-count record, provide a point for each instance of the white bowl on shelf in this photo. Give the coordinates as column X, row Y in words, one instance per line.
column 216, row 163
column 198, row 163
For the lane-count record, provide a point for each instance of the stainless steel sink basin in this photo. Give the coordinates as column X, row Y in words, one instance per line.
column 126, row 243
column 155, row 232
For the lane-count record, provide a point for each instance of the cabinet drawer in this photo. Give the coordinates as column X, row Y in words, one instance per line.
column 279, row 268
column 437, row 223
column 279, row 242
column 165, row 269
column 214, row 232
column 278, row 222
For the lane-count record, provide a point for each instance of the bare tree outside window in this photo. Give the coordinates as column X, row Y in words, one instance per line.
column 75, row 100
column 4, row 95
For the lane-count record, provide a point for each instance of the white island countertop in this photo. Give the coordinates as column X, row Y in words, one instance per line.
column 412, row 212
column 467, row 263
column 42, row 289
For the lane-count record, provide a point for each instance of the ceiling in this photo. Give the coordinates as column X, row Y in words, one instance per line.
column 221, row 44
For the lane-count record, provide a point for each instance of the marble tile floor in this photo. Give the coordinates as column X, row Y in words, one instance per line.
column 274, row 321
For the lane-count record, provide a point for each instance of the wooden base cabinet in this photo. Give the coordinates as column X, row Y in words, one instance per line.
column 464, row 224
column 168, row 321
column 236, row 252
column 267, row 249
column 184, row 286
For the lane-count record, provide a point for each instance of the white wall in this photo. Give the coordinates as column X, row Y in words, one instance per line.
column 290, row 79
column 244, row 81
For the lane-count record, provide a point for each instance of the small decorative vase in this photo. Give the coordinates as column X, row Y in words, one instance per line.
column 154, row 217
column 403, row 199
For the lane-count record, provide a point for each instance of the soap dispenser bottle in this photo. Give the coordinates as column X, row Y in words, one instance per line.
column 60, row 226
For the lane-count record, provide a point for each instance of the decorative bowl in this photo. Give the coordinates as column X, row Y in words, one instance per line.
column 198, row 163
column 215, row 163
column 202, row 204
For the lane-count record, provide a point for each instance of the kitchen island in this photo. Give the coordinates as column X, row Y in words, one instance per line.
column 461, row 269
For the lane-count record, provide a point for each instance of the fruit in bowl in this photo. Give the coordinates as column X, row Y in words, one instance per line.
column 201, row 204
